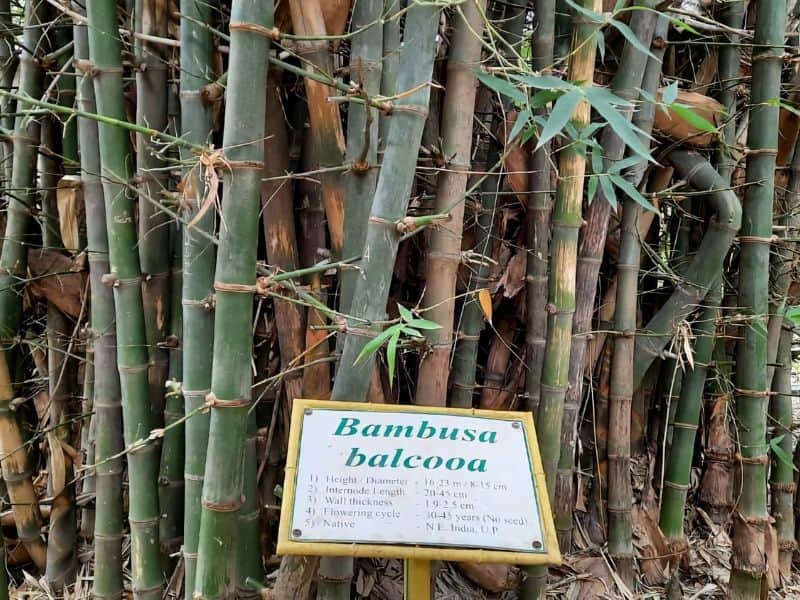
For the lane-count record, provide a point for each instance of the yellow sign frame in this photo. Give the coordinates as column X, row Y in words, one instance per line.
column 286, row 545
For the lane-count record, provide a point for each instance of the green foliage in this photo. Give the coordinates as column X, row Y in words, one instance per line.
column 408, row 327
column 780, row 453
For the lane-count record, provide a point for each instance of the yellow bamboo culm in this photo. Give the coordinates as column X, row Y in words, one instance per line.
column 417, row 579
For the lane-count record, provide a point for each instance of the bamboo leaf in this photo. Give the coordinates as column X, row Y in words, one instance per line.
column 631, row 192
column 544, row 97
column 601, row 43
column 523, row 118
column 542, row 82
column 597, row 160
column 559, row 116
column 590, row 14
column 631, row 37
column 391, row 355
column 780, row 453
column 608, row 191
column 681, row 25
column 502, row 86
column 670, row 93
column 623, row 128
column 592, row 188
column 410, row 331
column 647, row 96
column 794, row 315
column 625, row 163
column 424, row 324
column 485, row 302
column 692, row 118
column 405, row 314
column 372, row 346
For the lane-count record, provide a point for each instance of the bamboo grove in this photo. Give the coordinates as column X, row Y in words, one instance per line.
column 584, row 209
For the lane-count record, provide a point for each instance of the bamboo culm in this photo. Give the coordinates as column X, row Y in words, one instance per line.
column 199, row 257
column 13, row 270
column 782, row 482
column 687, row 418
column 102, row 330
column 124, row 277
column 591, row 244
column 444, row 249
column 748, row 564
column 380, row 247
column 235, row 274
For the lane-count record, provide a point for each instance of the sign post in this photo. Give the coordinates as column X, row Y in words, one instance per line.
column 415, row 482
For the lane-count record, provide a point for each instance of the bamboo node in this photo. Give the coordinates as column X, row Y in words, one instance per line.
column 757, row 239
column 781, row 486
column 85, row 66
column 272, row 33
column 213, row 402
column 762, row 459
column 221, row 506
column 468, row 338
column 751, row 519
column 752, row 393
column 675, row 486
column 381, row 221
column 360, row 166
column 340, row 322
column 761, row 151
column 422, row 111
column 235, row 288
column 768, row 56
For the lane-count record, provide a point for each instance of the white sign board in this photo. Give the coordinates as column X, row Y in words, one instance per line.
column 456, row 479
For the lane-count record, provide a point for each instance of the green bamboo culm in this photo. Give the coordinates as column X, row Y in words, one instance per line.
column 235, row 275
column 152, row 70
column 124, row 278
column 751, row 518
column 392, row 10
column 88, row 434
column 171, row 481
column 472, row 320
column 540, row 201
column 687, row 418
column 782, row 482
column 731, row 13
column 62, row 367
column 366, row 67
column 705, row 266
column 248, row 551
column 20, row 195
column 564, row 249
column 8, row 67
column 620, row 493
column 625, row 84
column 382, row 237
column 58, row 154
column 61, row 542
column 199, row 258
column 380, row 247
column 444, row 249
column 107, row 395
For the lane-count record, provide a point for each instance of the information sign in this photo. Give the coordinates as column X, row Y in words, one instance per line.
column 415, row 482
